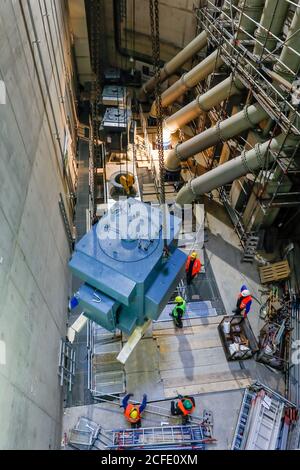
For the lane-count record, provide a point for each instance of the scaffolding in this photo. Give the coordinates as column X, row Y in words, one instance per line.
column 262, row 85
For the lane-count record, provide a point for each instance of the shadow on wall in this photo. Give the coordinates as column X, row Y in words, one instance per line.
column 184, row 346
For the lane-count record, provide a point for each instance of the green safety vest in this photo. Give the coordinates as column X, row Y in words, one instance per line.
column 179, row 310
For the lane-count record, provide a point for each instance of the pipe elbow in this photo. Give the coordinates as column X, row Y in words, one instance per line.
column 185, row 195
column 153, row 112
column 172, row 163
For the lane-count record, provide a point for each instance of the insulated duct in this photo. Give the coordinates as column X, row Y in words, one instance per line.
column 252, row 9
column 235, row 125
column 203, row 103
column 185, row 55
column 247, row 162
column 255, row 158
column 289, row 63
column 273, row 19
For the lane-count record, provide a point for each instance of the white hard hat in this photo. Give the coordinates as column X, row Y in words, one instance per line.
column 245, row 293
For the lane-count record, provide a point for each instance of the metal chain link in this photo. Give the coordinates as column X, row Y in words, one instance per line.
column 154, row 21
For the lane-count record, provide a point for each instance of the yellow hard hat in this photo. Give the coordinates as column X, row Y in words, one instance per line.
column 179, row 300
column 194, row 255
column 134, row 414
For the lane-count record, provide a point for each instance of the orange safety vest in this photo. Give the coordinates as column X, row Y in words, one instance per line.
column 196, row 266
column 245, row 301
column 182, row 408
column 129, row 409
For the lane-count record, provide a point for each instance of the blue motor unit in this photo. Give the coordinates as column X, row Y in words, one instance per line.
column 128, row 280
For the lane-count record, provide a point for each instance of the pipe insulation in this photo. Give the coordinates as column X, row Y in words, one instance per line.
column 273, row 19
column 252, row 9
column 203, row 103
column 235, row 124
column 249, row 117
column 289, row 63
column 245, row 163
column 193, row 48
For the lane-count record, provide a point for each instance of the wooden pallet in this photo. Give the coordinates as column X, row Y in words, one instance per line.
column 274, row 272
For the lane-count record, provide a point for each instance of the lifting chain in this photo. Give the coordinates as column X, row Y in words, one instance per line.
column 154, row 20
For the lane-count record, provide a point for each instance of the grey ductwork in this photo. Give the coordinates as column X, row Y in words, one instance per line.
column 203, row 103
column 252, row 10
column 249, row 117
column 290, row 58
column 273, row 18
column 230, row 127
column 247, row 162
column 193, row 48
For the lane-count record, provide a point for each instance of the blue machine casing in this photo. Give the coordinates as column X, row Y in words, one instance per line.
column 127, row 278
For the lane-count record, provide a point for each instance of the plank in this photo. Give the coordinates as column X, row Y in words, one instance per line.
column 206, row 378
column 190, row 359
column 188, row 330
column 150, row 198
column 208, row 388
column 179, row 374
column 204, row 332
column 170, row 347
column 274, row 272
column 188, row 321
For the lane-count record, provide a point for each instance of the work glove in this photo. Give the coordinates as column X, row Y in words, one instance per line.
column 145, row 396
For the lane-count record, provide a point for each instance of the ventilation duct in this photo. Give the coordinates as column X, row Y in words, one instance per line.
column 193, row 48
column 251, row 13
column 273, row 19
column 247, row 162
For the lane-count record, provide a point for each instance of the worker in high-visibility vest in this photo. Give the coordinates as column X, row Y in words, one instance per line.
column 133, row 413
column 192, row 267
column 184, row 407
column 178, row 311
column 244, row 302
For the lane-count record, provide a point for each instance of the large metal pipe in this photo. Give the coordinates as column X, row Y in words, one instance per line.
column 249, row 117
column 240, row 123
column 273, row 19
column 289, row 63
column 235, row 168
column 195, row 46
column 229, row 87
column 251, row 10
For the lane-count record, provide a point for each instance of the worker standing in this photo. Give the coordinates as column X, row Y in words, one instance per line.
column 184, row 407
column 133, row 413
column 244, row 302
column 192, row 267
column 178, row 311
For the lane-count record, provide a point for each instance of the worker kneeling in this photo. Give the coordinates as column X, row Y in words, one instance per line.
column 244, row 302
column 178, row 311
column 184, row 407
column 133, row 413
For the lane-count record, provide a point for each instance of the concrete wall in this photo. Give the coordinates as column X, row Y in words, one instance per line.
column 34, row 278
column 177, row 28
column 79, row 31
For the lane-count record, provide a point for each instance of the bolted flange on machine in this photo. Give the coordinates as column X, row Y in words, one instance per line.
column 127, row 278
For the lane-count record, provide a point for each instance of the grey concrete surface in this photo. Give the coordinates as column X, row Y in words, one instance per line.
column 34, row 278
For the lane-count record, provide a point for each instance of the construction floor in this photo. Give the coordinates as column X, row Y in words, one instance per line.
column 168, row 361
